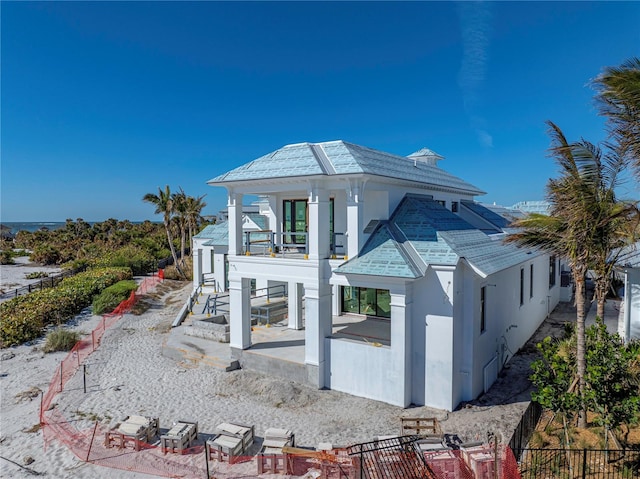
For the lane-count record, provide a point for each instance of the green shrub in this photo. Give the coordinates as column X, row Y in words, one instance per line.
column 134, row 257
column 37, row 275
column 24, row 317
column 112, row 296
column 45, row 254
column 6, row 257
column 60, row 340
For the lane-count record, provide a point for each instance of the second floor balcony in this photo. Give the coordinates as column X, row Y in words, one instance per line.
column 288, row 244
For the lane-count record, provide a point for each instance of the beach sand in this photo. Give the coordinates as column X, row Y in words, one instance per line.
column 13, row 276
column 128, row 375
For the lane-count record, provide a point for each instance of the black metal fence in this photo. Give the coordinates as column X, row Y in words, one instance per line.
column 140, row 268
column 524, row 429
column 579, row 463
column 397, row 457
column 43, row 283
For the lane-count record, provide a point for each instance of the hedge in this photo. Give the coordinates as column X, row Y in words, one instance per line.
column 112, row 296
column 25, row 317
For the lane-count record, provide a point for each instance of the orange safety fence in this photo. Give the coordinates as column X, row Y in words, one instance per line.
column 94, row 444
column 83, row 348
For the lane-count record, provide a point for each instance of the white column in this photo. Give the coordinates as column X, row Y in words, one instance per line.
column 401, row 347
column 197, row 267
column 318, row 223
column 355, row 215
column 295, row 305
column 317, row 328
column 234, row 207
column 240, row 313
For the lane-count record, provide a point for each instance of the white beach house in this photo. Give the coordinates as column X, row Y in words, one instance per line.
column 628, row 270
column 393, row 247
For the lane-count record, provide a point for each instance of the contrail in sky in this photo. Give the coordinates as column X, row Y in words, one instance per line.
column 475, row 26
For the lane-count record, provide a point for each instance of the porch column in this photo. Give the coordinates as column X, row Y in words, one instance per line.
column 318, row 223
column 295, row 305
column 240, row 313
column 197, row 267
column 401, row 347
column 355, row 214
column 317, row 328
column 234, row 207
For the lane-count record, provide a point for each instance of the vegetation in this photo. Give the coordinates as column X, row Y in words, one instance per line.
column 60, row 339
column 110, row 297
column 611, row 395
column 109, row 243
column 37, row 275
column 619, row 101
column 25, row 317
column 587, row 224
column 180, row 213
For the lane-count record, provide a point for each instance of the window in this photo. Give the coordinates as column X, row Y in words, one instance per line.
column 483, row 309
column 367, row 301
column 454, row 206
column 442, row 203
column 531, row 281
column 296, row 219
column 552, row 271
column 521, row 286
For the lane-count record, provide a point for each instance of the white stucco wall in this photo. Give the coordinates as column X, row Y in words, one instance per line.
column 508, row 324
column 631, row 314
column 363, row 370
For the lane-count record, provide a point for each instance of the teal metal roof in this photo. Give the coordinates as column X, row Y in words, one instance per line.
column 382, row 255
column 486, row 214
column 341, row 158
column 629, row 256
column 258, row 219
column 217, row 234
column 424, row 233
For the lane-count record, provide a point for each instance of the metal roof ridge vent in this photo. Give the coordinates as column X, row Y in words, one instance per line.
column 425, row 155
column 323, row 159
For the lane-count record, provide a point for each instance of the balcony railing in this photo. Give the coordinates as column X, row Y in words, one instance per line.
column 271, row 243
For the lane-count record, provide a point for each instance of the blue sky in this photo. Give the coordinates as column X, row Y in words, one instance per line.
column 104, row 102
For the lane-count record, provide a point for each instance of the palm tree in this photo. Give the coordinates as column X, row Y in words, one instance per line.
column 614, row 222
column 180, row 219
column 163, row 202
column 619, row 100
column 568, row 231
column 193, row 212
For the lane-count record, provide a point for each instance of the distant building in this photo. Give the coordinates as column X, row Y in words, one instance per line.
column 541, row 207
column 6, row 232
column 396, row 248
column 628, row 269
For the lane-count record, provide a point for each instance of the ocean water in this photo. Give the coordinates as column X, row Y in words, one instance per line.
column 33, row 226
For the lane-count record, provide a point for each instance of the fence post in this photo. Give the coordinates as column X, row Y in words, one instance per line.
column 91, row 443
column 61, row 362
column 206, row 460
column 584, row 463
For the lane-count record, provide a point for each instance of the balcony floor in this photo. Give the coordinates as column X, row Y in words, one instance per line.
column 275, row 341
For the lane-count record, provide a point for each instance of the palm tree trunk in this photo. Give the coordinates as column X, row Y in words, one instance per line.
column 183, row 240
column 601, row 294
column 171, row 247
column 580, row 346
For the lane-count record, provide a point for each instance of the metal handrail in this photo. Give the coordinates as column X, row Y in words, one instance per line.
column 281, row 242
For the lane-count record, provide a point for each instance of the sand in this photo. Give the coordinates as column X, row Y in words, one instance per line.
column 128, row 375
column 13, row 276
